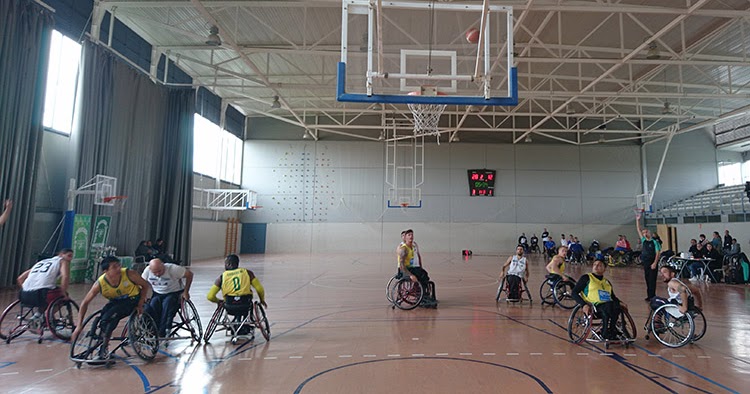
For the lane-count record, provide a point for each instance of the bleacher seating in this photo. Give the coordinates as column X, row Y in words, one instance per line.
column 716, row 201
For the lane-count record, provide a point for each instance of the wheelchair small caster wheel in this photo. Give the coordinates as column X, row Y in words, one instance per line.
column 39, row 340
column 78, row 365
column 646, row 337
column 234, row 341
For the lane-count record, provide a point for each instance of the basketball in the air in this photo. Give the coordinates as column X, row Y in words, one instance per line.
column 472, row 35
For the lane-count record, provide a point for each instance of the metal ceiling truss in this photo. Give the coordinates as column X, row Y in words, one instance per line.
column 571, row 78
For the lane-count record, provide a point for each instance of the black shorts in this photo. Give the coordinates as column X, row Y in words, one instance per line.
column 238, row 305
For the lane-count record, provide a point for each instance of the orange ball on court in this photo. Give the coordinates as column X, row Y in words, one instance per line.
column 472, row 35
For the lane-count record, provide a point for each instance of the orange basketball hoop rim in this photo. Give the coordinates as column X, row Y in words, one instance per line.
column 114, row 199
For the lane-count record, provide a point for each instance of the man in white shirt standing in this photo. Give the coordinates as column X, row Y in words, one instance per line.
column 166, row 280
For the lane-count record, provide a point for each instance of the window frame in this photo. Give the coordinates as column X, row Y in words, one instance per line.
column 59, row 49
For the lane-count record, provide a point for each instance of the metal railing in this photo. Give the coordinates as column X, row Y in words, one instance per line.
column 718, row 201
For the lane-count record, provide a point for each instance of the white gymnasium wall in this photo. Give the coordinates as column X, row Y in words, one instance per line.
column 331, row 196
column 690, row 166
column 208, row 237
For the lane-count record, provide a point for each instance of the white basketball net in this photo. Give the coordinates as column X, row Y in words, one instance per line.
column 426, row 118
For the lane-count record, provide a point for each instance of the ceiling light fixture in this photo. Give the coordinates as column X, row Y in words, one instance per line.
column 653, row 52
column 213, row 38
column 382, row 136
column 305, row 135
column 601, row 139
column 528, row 138
column 455, row 138
column 275, row 104
column 666, row 109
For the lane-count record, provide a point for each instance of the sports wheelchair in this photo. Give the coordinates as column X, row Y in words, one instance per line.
column 186, row 324
column 504, row 287
column 577, row 257
column 674, row 329
column 556, row 290
column 587, row 327
column 239, row 322
column 139, row 332
column 534, row 247
column 621, row 258
column 59, row 318
column 404, row 294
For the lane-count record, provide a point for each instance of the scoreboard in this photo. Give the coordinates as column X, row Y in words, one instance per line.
column 481, row 183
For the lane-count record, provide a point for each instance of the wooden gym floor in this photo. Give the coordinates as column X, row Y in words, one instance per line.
column 334, row 332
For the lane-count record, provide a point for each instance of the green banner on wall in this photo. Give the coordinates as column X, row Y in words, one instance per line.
column 101, row 230
column 78, row 270
column 81, row 233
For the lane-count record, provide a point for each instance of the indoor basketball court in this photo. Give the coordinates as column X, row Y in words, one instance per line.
column 333, row 331
column 353, row 114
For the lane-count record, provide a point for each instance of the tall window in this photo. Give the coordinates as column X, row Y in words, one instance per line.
column 730, row 174
column 62, row 77
column 216, row 153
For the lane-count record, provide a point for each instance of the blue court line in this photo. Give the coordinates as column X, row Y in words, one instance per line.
column 4, row 364
column 625, row 363
column 673, row 379
column 139, row 372
column 308, row 380
column 689, row 371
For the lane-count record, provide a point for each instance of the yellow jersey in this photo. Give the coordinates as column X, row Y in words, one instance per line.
column 561, row 267
column 598, row 291
column 124, row 289
column 236, row 282
column 409, row 255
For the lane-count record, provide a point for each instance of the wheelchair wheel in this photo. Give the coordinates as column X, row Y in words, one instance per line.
column 700, row 324
column 626, row 325
column 546, row 293
column 408, row 294
column 143, row 335
column 14, row 321
column 83, row 348
column 579, row 325
column 390, row 288
column 672, row 328
column 500, row 290
column 563, row 294
column 261, row 321
column 61, row 317
column 214, row 322
column 191, row 321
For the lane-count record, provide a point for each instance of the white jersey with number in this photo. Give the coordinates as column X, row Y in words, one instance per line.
column 416, row 262
column 517, row 266
column 43, row 275
column 170, row 282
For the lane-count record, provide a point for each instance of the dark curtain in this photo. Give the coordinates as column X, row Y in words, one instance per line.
column 176, row 179
column 25, row 31
column 141, row 134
